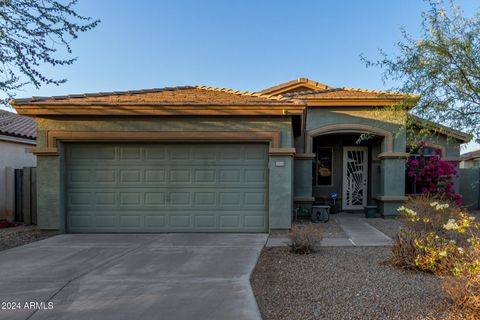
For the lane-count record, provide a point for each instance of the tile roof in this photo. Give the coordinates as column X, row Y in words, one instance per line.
column 345, row 93
column 439, row 128
column 297, row 83
column 185, row 95
column 12, row 124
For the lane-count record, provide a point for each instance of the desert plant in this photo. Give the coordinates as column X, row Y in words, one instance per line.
column 404, row 251
column 441, row 238
column 305, row 239
column 463, row 287
column 436, row 235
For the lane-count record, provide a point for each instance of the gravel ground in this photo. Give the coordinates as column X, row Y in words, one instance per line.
column 388, row 226
column 21, row 235
column 345, row 283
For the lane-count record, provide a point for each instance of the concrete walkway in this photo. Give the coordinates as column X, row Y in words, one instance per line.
column 359, row 233
column 132, row 276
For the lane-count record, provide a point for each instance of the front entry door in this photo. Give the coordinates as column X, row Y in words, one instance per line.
column 355, row 176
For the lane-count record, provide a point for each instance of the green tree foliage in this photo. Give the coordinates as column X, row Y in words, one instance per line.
column 442, row 67
column 35, row 33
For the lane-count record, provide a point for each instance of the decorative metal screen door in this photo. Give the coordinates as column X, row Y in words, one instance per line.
column 355, row 175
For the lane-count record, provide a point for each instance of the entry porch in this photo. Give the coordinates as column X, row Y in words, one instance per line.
column 350, row 170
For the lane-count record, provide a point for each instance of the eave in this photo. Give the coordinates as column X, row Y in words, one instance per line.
column 441, row 129
column 355, row 103
column 22, row 140
column 155, row 109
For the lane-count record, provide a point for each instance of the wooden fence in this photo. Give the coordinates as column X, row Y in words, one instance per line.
column 26, row 195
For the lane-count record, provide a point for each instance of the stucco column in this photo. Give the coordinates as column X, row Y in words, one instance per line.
column 303, row 179
column 49, row 202
column 280, row 184
column 392, row 189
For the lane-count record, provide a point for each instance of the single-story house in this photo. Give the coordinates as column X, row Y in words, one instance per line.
column 202, row 159
column 17, row 139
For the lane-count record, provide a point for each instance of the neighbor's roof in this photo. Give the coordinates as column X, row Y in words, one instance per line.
column 470, row 155
column 438, row 128
column 184, row 95
column 12, row 124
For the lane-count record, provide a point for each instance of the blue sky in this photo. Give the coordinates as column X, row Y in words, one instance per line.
column 243, row 45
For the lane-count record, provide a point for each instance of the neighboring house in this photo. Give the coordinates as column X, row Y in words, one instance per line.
column 17, row 138
column 471, row 160
column 188, row 159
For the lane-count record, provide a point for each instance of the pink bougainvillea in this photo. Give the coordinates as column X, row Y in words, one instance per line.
column 430, row 174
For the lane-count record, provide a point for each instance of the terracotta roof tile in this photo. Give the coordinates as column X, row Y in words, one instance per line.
column 299, row 83
column 186, row 95
column 12, row 124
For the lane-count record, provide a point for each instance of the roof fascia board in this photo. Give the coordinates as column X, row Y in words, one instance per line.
column 17, row 139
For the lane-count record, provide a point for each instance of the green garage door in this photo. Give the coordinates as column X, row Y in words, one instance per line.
column 166, row 187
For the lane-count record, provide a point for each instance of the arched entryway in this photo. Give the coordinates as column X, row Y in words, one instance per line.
column 348, row 163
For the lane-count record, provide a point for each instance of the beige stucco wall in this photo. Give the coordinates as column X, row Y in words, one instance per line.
column 13, row 155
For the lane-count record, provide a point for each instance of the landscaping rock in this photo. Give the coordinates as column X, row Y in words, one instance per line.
column 345, row 283
column 21, row 235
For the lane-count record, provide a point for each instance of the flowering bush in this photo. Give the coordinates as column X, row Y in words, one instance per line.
column 441, row 238
column 433, row 175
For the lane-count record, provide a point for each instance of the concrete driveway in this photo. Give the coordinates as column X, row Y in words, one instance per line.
column 132, row 276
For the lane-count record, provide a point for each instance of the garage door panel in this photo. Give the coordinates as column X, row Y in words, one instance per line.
column 80, row 199
column 253, row 176
column 131, row 221
column 105, row 221
column 155, row 175
column 105, row 199
column 173, row 222
column 205, row 199
column 167, row 188
column 130, row 153
column 143, row 197
column 155, row 199
column 155, row 221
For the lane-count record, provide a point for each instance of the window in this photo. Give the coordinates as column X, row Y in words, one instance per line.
column 323, row 167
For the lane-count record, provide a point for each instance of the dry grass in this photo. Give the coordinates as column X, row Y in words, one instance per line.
column 305, row 239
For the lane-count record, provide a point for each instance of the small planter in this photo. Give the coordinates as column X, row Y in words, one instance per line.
column 335, row 206
column 370, row 211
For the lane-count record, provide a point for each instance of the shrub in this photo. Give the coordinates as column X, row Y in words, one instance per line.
column 436, row 235
column 464, row 290
column 441, row 238
column 404, row 251
column 433, row 175
column 305, row 239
